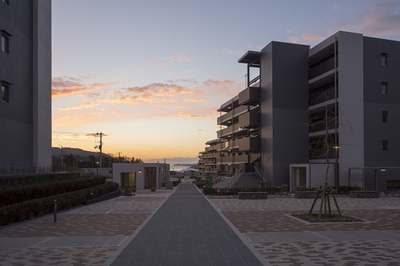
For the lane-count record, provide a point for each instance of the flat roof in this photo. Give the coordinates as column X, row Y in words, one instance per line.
column 250, row 57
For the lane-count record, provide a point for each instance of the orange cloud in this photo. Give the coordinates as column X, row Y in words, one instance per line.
column 179, row 58
column 161, row 65
column 190, row 116
column 312, row 37
column 379, row 20
column 64, row 86
column 162, row 89
column 194, row 100
column 217, row 83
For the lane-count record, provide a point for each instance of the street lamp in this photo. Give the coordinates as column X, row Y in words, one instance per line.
column 97, row 166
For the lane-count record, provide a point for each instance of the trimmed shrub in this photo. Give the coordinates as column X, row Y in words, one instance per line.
column 20, row 194
column 38, row 207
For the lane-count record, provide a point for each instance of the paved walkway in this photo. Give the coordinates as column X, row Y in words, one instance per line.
column 285, row 240
column 105, row 232
column 187, row 230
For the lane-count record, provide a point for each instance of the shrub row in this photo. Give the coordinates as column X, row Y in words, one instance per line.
column 14, row 195
column 234, row 191
column 38, row 207
column 24, row 180
column 343, row 190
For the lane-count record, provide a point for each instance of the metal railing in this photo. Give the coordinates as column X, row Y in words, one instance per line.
column 236, row 176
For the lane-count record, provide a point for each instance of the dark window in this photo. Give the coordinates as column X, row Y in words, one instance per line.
column 6, row 1
column 5, row 43
column 385, row 116
column 384, row 59
column 384, row 145
column 384, row 88
column 5, row 93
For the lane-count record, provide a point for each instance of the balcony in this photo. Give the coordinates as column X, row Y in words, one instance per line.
column 248, row 143
column 249, row 119
column 211, row 148
column 224, row 119
column 230, row 131
column 322, row 67
column 233, row 159
column 249, row 96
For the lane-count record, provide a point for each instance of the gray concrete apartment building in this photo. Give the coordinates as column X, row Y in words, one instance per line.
column 345, row 90
column 25, row 76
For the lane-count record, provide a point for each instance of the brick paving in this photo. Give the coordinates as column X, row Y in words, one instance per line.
column 284, row 240
column 87, row 235
column 90, row 235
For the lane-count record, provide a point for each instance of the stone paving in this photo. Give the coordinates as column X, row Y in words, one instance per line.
column 90, row 235
column 284, row 240
column 87, row 235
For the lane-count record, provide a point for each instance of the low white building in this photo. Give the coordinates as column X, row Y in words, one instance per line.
column 141, row 176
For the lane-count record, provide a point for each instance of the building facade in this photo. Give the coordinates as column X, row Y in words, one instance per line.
column 140, row 176
column 325, row 114
column 25, row 76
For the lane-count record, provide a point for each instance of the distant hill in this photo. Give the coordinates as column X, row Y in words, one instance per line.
column 177, row 160
column 78, row 152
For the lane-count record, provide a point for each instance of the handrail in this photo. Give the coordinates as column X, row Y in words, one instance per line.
column 254, row 80
column 258, row 171
column 235, row 177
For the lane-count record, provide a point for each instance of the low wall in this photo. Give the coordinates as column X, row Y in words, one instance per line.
column 364, row 194
column 252, row 195
column 305, row 194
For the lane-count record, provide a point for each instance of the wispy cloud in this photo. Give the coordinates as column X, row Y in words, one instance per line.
column 309, row 37
column 379, row 20
column 198, row 100
column 64, row 86
column 160, row 65
column 190, row 115
column 179, row 58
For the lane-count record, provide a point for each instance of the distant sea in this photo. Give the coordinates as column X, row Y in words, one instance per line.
column 177, row 167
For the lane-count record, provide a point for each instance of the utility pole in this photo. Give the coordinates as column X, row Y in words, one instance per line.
column 100, row 146
column 61, row 158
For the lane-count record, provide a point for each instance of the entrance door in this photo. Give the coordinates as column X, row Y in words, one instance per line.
column 128, row 179
column 150, row 177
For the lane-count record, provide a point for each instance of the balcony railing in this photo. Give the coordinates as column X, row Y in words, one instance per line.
column 233, row 159
column 249, row 96
column 248, row 143
column 231, row 114
column 249, row 119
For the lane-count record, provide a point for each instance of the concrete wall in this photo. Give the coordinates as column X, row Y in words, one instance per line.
column 25, row 135
column 41, row 68
column 284, row 109
column 376, row 102
column 351, row 103
column 161, row 176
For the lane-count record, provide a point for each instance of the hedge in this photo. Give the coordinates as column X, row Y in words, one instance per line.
column 15, row 195
column 38, row 207
column 24, row 180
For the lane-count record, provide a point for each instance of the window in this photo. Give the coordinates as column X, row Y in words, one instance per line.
column 5, row 93
column 6, row 1
column 384, row 145
column 384, row 88
column 385, row 116
column 384, row 59
column 5, row 41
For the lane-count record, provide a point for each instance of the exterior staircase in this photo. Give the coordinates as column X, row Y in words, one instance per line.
column 247, row 180
column 222, row 184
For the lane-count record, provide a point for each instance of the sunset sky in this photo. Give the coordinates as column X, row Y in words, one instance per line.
column 151, row 74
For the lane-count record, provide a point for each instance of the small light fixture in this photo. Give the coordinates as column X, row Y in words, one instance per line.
column 383, row 170
column 336, row 147
column 140, row 171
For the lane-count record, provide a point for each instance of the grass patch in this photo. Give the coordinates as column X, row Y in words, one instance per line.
column 313, row 218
